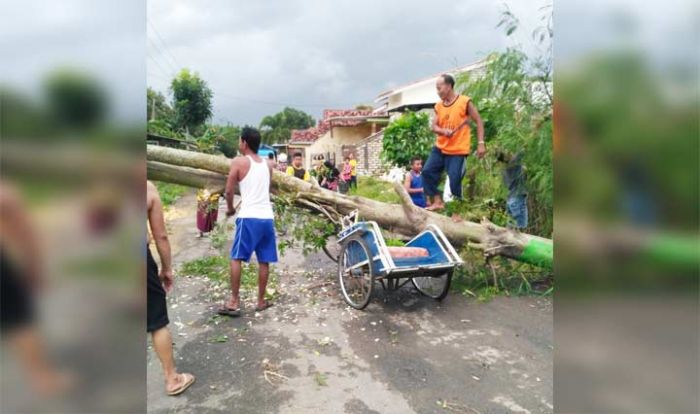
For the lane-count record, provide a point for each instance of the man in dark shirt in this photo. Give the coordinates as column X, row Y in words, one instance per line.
column 514, row 179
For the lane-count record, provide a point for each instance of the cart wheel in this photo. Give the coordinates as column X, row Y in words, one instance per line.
column 355, row 272
column 435, row 287
column 332, row 250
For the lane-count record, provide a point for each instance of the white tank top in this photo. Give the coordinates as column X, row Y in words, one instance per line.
column 255, row 191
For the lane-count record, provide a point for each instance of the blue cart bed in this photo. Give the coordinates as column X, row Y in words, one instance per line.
column 366, row 258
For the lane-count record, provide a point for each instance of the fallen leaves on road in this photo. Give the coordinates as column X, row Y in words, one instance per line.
column 271, row 373
column 456, row 408
column 219, row 339
column 321, row 379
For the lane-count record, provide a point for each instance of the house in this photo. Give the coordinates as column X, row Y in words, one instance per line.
column 420, row 94
column 336, row 134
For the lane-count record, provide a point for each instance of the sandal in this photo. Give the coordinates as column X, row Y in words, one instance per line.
column 267, row 304
column 229, row 312
column 188, row 379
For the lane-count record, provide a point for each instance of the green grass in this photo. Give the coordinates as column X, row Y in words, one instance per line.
column 217, row 268
column 376, row 189
column 169, row 193
column 475, row 278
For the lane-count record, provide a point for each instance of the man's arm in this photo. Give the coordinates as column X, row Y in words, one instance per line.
column 19, row 229
column 437, row 130
column 231, row 183
column 474, row 114
column 407, row 185
column 156, row 221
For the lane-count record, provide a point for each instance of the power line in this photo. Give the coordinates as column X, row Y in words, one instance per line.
column 165, row 46
column 161, row 53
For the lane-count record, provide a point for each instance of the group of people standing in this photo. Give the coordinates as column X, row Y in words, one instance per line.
column 326, row 173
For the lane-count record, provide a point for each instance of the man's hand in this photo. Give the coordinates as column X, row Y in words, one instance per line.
column 230, row 212
column 166, row 277
column 447, row 132
column 481, row 150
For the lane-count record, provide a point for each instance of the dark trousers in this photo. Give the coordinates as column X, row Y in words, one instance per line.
column 353, row 181
column 454, row 165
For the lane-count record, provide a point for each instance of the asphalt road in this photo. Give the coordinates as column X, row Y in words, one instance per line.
column 310, row 353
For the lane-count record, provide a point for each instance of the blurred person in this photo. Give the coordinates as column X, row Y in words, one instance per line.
column 345, row 176
column 453, row 143
column 353, row 171
column 514, row 179
column 255, row 226
column 296, row 169
column 414, row 182
column 319, row 168
column 331, row 177
column 271, row 160
column 282, row 162
column 21, row 279
column 158, row 284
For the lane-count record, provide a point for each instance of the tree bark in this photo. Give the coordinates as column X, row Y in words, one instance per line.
column 185, row 167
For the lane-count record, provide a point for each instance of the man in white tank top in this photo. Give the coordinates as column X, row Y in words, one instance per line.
column 255, row 226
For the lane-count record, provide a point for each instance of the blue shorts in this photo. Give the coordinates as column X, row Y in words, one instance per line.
column 254, row 235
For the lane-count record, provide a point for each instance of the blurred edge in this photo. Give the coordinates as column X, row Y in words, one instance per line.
column 72, row 122
column 627, row 241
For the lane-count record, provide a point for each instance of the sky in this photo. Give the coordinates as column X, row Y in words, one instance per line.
column 259, row 57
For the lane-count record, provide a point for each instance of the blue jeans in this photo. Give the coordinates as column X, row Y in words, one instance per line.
column 437, row 162
column 517, row 208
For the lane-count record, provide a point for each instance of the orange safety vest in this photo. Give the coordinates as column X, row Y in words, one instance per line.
column 451, row 117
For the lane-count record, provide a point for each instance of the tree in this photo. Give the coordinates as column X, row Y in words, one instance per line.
column 195, row 169
column 278, row 127
column 408, row 136
column 191, row 100
column 75, row 99
column 157, row 107
column 223, row 139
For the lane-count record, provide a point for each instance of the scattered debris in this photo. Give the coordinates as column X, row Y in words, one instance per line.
column 321, row 380
column 457, row 408
column 219, row 339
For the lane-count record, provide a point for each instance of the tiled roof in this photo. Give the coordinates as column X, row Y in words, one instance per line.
column 334, row 117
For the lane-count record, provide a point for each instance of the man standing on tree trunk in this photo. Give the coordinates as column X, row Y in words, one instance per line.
column 255, row 226
column 453, row 113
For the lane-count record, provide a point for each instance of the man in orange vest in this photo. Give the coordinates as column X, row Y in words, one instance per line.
column 453, row 113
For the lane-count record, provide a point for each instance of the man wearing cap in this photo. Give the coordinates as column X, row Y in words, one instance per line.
column 453, row 114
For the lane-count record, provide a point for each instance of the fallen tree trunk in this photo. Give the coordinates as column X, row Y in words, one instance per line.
column 191, row 177
column 190, row 168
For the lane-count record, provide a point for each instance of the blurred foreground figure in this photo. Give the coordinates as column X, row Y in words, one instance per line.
column 20, row 280
column 157, row 286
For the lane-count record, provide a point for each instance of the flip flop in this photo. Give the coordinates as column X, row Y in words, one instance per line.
column 189, row 380
column 229, row 312
column 434, row 208
column 268, row 304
